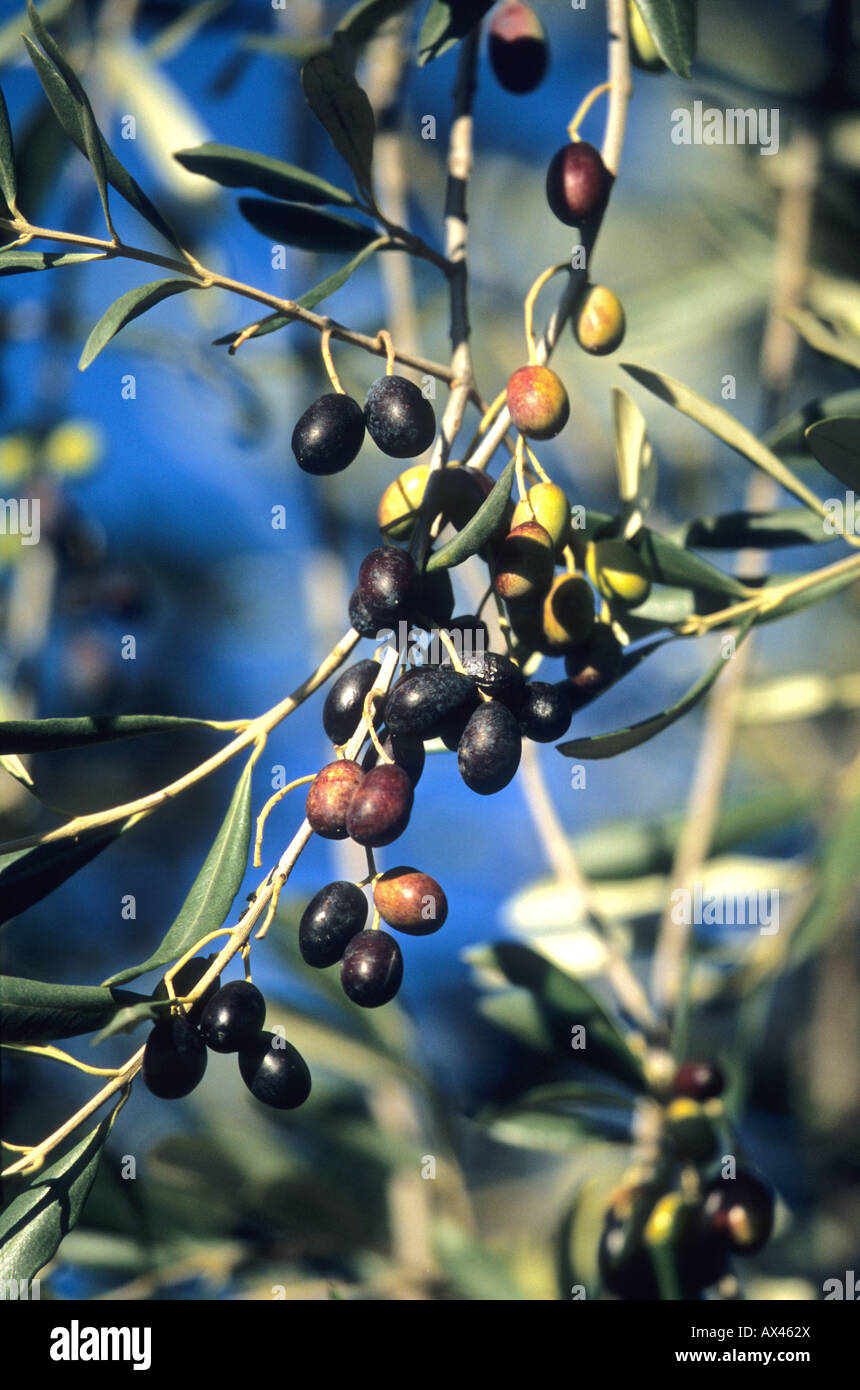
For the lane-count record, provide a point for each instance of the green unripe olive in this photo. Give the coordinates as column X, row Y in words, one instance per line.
column 537, row 402
column 546, row 504
column 690, row 1130
column 399, row 503
column 524, row 562
column 617, row 572
column 568, row 614
column 642, row 49
column 600, row 323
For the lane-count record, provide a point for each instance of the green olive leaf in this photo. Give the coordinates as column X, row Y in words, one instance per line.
column 343, row 108
column 212, row 893
column 622, row 740
column 33, row 1011
column 34, row 1224
column 842, row 346
column 720, row 423
column 479, row 529
column 236, row 168
column 48, row 735
column 18, row 262
column 835, row 442
column 787, row 526
column 8, row 180
column 68, row 112
column 129, row 306
column 446, row 22
column 27, row 876
column 672, row 26
column 304, row 227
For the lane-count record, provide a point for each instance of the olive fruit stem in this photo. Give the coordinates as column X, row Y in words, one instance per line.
column 522, row 490
column 367, row 715
column 540, row 472
column 384, row 338
column 584, row 107
column 57, row 1055
column 270, row 806
column 529, row 306
column 325, row 349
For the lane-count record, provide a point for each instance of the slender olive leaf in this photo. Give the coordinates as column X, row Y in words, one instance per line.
column 48, row 735
column 678, row 567
column 575, row 1092
column 305, row 227
column 446, row 22
column 752, row 530
column 176, row 35
column 8, row 182
column 18, row 262
column 610, row 745
column 479, row 529
column 236, row 168
column 566, row 1002
column 836, row 444
column 125, row 1020
column 27, row 876
column 278, row 46
column 129, row 306
column 720, row 423
column 93, row 142
column 33, row 1011
column 343, row 108
column 11, row 763
column 839, row 345
column 787, row 436
column 214, row 888
column 34, row 1224
column 634, row 460
column 672, row 26
column 68, row 113
column 311, row 298
column 621, row 850
column 550, row 1131
column 516, row 1012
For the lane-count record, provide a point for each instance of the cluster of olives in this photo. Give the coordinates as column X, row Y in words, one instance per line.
column 224, row 1019
column 333, row 929
column 397, row 416
column 727, row 1216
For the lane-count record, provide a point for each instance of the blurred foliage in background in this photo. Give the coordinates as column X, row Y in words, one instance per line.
column 454, row 1147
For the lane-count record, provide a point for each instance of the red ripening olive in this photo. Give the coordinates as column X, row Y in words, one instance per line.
column 524, row 563
column 518, row 49
column 329, row 796
column 577, row 184
column 699, row 1080
column 537, row 402
column 380, row 808
column 411, row 901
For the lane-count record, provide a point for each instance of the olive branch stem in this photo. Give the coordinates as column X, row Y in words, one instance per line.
column 211, row 279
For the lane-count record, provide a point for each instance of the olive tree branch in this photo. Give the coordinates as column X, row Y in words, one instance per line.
column 616, row 124
column 211, row 279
